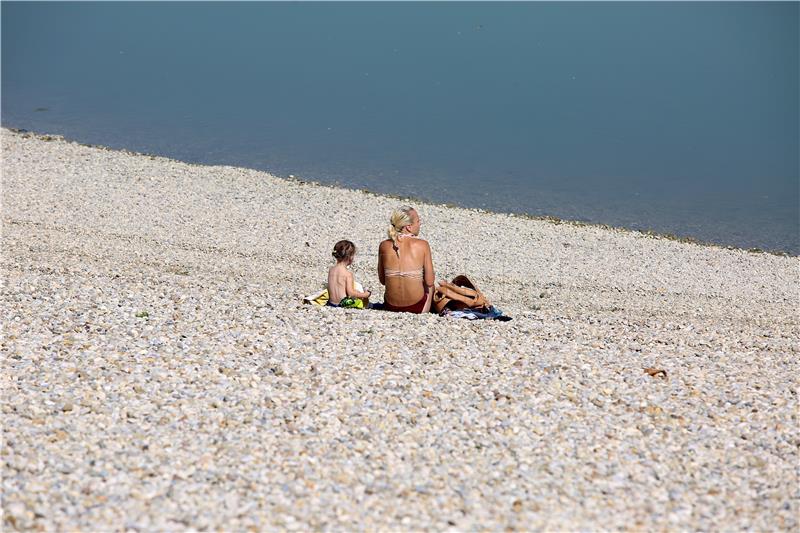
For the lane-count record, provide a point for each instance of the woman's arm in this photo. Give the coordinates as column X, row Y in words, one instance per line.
column 430, row 276
column 381, row 277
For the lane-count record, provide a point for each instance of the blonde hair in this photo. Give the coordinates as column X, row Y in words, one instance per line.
column 401, row 217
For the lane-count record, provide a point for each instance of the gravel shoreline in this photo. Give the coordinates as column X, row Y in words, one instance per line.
column 161, row 372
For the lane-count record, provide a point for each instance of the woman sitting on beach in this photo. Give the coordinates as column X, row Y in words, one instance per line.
column 405, row 266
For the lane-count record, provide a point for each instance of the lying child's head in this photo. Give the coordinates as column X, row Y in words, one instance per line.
column 344, row 251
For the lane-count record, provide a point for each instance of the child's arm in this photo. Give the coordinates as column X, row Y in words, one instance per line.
column 350, row 288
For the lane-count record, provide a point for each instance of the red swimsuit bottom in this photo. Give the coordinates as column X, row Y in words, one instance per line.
column 413, row 308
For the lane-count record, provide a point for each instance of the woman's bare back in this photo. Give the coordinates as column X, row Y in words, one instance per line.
column 405, row 271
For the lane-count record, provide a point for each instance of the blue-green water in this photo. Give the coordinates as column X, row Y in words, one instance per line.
column 677, row 117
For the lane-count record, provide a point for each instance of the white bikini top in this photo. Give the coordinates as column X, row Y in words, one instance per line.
column 412, row 274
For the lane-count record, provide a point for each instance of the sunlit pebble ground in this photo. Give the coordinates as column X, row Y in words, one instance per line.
column 160, row 370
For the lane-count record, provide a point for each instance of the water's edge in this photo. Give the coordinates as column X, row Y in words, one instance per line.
column 419, row 200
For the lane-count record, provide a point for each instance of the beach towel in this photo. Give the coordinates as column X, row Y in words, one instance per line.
column 318, row 298
column 487, row 313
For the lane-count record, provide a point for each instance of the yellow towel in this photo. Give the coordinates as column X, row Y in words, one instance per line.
column 318, row 298
column 323, row 298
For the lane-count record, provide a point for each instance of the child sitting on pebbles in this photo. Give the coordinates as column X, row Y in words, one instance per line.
column 341, row 283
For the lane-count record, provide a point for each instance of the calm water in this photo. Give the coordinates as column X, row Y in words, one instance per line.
column 677, row 117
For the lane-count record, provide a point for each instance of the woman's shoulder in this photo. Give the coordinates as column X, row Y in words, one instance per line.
column 422, row 243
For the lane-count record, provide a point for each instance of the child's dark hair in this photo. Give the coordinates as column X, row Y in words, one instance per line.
column 344, row 250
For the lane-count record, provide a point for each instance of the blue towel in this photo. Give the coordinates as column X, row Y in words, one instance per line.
column 491, row 313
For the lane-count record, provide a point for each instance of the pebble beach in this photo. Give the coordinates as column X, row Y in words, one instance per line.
column 161, row 372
